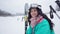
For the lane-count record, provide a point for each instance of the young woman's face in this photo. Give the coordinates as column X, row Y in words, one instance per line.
column 34, row 12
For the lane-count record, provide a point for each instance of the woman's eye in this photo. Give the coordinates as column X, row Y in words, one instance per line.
column 35, row 10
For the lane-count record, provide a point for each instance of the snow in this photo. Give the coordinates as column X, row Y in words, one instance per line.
column 12, row 25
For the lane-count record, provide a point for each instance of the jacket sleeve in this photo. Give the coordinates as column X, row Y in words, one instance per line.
column 29, row 30
column 43, row 28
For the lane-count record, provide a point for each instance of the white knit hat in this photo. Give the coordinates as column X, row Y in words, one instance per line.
column 35, row 5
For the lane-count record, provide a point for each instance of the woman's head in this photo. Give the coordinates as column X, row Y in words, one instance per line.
column 34, row 12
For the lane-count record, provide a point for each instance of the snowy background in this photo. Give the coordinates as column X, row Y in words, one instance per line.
column 15, row 24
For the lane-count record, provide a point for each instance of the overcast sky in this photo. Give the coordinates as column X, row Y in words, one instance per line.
column 17, row 6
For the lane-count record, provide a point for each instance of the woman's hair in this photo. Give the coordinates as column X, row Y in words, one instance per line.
column 40, row 13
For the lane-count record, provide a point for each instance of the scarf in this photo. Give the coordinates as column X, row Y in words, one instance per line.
column 35, row 20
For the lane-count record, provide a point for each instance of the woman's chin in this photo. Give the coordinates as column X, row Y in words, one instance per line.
column 33, row 16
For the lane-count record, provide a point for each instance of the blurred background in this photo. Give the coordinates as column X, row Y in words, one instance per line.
column 12, row 13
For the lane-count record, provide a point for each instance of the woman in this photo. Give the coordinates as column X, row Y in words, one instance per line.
column 39, row 22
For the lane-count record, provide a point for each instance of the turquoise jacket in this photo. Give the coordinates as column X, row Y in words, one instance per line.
column 41, row 28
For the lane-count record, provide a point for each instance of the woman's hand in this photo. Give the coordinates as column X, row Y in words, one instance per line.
column 33, row 22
